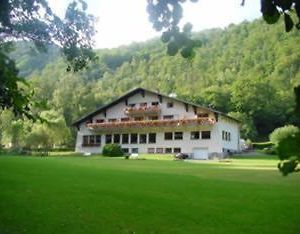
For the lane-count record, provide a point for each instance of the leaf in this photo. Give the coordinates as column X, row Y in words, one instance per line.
column 172, row 48
column 270, row 13
column 166, row 36
column 289, row 24
column 187, row 28
column 186, row 52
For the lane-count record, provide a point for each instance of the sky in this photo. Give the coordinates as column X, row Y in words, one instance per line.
column 121, row 22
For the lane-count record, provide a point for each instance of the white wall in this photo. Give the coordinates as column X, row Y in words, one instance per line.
column 214, row 145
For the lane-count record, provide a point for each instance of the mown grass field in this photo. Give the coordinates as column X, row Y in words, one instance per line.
column 106, row 195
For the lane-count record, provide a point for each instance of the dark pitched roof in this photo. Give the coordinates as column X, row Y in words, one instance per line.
column 138, row 90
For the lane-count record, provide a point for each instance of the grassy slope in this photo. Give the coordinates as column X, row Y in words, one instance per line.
column 102, row 195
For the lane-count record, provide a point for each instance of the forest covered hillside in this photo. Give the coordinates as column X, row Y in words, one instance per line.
column 247, row 70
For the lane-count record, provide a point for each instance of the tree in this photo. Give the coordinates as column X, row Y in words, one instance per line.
column 165, row 15
column 33, row 20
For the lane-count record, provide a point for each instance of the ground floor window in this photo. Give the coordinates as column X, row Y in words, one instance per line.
column 133, row 138
column 117, row 138
column 205, row 135
column 168, row 135
column 159, row 150
column 125, row 150
column 91, row 140
column 151, row 150
column 134, row 150
column 178, row 135
column 108, row 138
column 143, row 138
column 177, row 150
column 195, row 135
column 152, row 138
column 125, row 139
column 168, row 150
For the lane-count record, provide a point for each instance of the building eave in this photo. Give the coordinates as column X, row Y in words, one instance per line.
column 137, row 90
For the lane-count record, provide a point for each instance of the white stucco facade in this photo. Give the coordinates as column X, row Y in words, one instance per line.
column 179, row 127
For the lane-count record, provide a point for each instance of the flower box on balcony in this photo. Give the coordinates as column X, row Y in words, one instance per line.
column 152, row 123
column 142, row 110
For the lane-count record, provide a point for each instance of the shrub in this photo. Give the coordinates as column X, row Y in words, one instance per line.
column 281, row 133
column 112, row 150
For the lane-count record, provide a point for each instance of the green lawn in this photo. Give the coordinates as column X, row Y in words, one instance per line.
column 104, row 195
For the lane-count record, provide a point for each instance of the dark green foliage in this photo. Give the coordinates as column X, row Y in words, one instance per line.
column 33, row 20
column 239, row 70
column 112, row 150
column 166, row 15
column 287, row 141
column 271, row 14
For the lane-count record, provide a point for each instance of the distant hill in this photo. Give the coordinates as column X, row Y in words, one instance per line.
column 249, row 69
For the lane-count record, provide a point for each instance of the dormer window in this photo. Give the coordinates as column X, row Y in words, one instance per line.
column 131, row 105
column 202, row 115
column 99, row 120
column 112, row 120
column 170, row 104
column 144, row 104
column 154, row 103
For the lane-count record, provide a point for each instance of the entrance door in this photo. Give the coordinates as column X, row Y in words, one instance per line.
column 200, row 153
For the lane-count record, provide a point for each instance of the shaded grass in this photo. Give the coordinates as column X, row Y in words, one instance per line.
column 107, row 195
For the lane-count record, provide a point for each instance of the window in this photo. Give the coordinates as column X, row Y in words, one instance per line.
column 152, row 138
column 159, row 150
column 229, row 136
column 98, row 139
column 133, row 138
column 154, row 104
column 134, row 150
column 205, row 135
column 168, row 135
column 177, row 150
column 99, row 120
column 108, row 138
column 138, row 118
column 223, row 135
column 117, row 138
column 153, row 117
column 85, row 140
column 125, row 150
column 143, row 138
column 125, row 138
column 168, row 117
column 125, row 119
column 202, row 115
column 92, row 140
column 151, row 150
column 195, row 135
column 132, row 105
column 169, row 104
column 168, row 150
column 144, row 104
column 178, row 135
column 89, row 121
column 112, row 120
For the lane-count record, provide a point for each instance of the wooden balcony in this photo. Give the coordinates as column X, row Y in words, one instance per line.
column 150, row 124
column 140, row 111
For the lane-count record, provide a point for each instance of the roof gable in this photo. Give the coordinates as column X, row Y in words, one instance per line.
column 142, row 90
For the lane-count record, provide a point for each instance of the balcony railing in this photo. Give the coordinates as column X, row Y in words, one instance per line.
column 151, row 123
column 145, row 110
